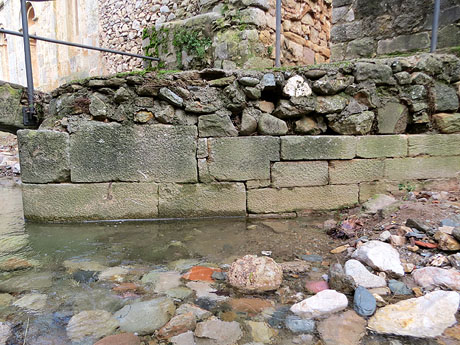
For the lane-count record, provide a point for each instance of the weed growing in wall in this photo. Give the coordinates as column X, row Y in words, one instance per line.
column 194, row 42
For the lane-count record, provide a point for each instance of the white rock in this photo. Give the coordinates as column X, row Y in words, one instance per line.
column 424, row 317
column 323, row 303
column 380, row 256
column 33, row 301
column 430, row 277
column 385, row 236
column 5, row 332
column 362, row 276
column 297, row 87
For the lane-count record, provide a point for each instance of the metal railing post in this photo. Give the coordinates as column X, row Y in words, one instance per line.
column 434, row 32
column 278, row 34
column 28, row 112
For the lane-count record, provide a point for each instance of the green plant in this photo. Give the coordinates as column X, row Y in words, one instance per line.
column 194, row 42
column 408, row 187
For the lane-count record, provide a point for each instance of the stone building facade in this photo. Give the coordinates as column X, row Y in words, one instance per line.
column 363, row 28
column 68, row 20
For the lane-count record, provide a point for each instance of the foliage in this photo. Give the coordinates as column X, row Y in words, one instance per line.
column 194, row 42
column 408, row 187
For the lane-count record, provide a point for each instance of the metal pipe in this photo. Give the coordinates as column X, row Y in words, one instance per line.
column 434, row 30
column 29, row 113
column 83, row 46
column 278, row 34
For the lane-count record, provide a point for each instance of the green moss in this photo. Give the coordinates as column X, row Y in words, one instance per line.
column 194, row 42
column 158, row 39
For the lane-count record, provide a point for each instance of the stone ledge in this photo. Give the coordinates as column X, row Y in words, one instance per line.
column 318, row 147
column 44, row 156
column 284, row 200
column 400, row 169
column 202, row 200
column 381, row 146
column 355, row 171
column 95, row 201
column 434, row 145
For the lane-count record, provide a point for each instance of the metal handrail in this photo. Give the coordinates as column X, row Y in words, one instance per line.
column 29, row 112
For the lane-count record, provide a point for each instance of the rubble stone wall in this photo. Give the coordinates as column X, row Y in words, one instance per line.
column 237, row 143
column 233, row 33
column 364, row 28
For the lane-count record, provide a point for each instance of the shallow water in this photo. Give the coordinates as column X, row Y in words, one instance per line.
column 144, row 245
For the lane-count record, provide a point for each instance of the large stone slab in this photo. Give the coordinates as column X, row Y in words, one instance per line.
column 101, row 152
column 404, row 43
column 434, row 145
column 399, row 169
column 356, row 170
column 44, row 156
column 318, row 147
column 423, row 317
column 96, row 201
column 242, row 158
column 270, row 200
column 392, row 118
column 202, row 200
column 11, row 118
column 300, row 174
column 377, row 146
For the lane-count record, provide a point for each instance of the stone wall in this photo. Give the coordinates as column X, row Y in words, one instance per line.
column 237, row 143
column 363, row 28
column 122, row 23
column 230, row 34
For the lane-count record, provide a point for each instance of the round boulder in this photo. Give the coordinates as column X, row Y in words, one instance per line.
column 257, row 274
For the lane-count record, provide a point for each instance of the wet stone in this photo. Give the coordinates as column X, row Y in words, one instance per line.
column 33, row 302
column 216, row 332
column 312, row 258
column 91, row 325
column 261, row 332
column 200, row 314
column 120, row 339
column 363, row 302
column 398, row 288
column 85, row 276
column 5, row 332
column 278, row 317
column 298, row 325
column 27, row 282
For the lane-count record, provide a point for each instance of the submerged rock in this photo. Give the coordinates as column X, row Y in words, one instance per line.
column 33, row 302
column 200, row 314
column 120, row 339
column 216, row 332
column 5, row 332
column 362, row 276
column 431, row 277
column 145, row 317
column 342, row 329
column 297, row 324
column 424, row 317
column 381, row 256
column 91, row 325
column 177, row 325
column 27, row 282
column 323, row 303
column 258, row 274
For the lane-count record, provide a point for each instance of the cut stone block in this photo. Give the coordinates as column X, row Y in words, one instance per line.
column 300, row 174
column 202, row 200
column 242, row 158
column 434, row 145
column 399, row 169
column 379, row 146
column 44, row 156
column 318, row 147
column 392, row 118
column 270, row 200
column 94, row 201
column 404, row 43
column 102, row 152
column 355, row 171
